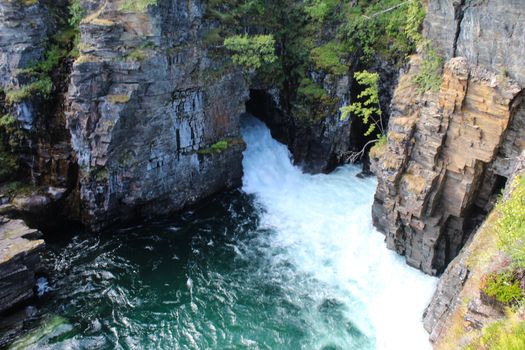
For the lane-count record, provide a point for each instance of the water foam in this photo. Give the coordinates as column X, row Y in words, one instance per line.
column 322, row 227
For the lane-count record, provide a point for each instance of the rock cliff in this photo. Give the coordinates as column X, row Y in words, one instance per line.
column 20, row 249
column 154, row 115
column 450, row 151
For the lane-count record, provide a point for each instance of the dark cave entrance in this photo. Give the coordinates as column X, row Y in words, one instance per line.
column 262, row 105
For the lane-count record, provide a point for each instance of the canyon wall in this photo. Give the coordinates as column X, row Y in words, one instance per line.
column 142, row 122
column 154, row 116
column 450, row 150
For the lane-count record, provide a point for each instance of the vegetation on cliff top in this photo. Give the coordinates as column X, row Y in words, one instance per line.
column 316, row 43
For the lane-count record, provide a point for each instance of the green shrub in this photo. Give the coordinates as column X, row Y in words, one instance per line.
column 329, row 56
column 504, row 287
column 320, row 9
column 429, row 76
column 136, row 5
column 508, row 334
column 251, row 52
column 42, row 87
column 76, row 13
column 510, row 225
column 218, row 147
column 310, row 90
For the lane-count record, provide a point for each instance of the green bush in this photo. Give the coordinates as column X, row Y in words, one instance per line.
column 76, row 13
column 251, row 52
column 504, row 287
column 506, row 334
column 429, row 76
column 329, row 57
column 510, row 225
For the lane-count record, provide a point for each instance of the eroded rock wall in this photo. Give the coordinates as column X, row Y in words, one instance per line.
column 147, row 103
column 26, row 29
column 450, row 151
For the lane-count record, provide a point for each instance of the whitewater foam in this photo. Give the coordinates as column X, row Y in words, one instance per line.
column 322, row 227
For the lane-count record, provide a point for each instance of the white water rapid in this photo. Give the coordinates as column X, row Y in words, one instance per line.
column 323, row 238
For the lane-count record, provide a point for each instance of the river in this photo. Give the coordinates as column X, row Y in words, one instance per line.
column 290, row 261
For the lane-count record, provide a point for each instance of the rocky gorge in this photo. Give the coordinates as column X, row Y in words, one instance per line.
column 140, row 117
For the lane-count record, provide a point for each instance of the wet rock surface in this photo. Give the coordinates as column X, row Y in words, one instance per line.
column 20, row 249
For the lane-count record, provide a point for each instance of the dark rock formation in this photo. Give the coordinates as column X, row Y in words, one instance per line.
column 19, row 262
column 148, row 102
column 450, row 152
column 44, row 150
column 316, row 146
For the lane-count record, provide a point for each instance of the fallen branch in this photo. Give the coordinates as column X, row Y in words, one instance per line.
column 385, row 11
column 352, row 157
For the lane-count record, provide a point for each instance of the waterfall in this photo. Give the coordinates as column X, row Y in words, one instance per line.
column 322, row 227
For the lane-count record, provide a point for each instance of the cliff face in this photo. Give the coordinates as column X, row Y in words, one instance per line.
column 148, row 104
column 459, row 308
column 450, row 152
column 43, row 143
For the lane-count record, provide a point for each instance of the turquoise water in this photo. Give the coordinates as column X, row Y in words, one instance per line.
column 291, row 261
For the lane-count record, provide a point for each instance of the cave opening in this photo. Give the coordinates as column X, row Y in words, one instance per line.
column 264, row 107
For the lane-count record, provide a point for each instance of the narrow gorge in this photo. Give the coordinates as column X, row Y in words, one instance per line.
column 316, row 174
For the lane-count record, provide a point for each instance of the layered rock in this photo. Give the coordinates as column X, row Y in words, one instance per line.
column 19, row 262
column 27, row 28
column 458, row 298
column 450, row 151
column 154, row 114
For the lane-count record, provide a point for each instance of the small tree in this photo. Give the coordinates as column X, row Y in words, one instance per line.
column 367, row 108
column 251, row 52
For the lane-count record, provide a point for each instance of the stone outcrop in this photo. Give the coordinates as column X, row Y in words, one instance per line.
column 20, row 249
column 450, row 151
column 148, row 102
column 27, row 28
column 458, row 295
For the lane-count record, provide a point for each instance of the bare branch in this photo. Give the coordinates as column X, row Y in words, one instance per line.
column 385, row 11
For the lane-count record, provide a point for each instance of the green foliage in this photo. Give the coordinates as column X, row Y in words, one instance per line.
column 511, row 223
column 429, row 76
column 136, row 5
column 508, row 334
column 76, row 13
column 251, row 52
column 319, row 10
column 415, row 16
column 329, row 56
column 368, row 108
column 504, row 287
column 388, row 28
column 42, row 87
column 9, row 141
column 216, row 148
column 39, row 73
column 310, row 90
column 379, row 147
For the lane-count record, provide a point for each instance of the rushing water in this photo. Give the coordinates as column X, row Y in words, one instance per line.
column 290, row 262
